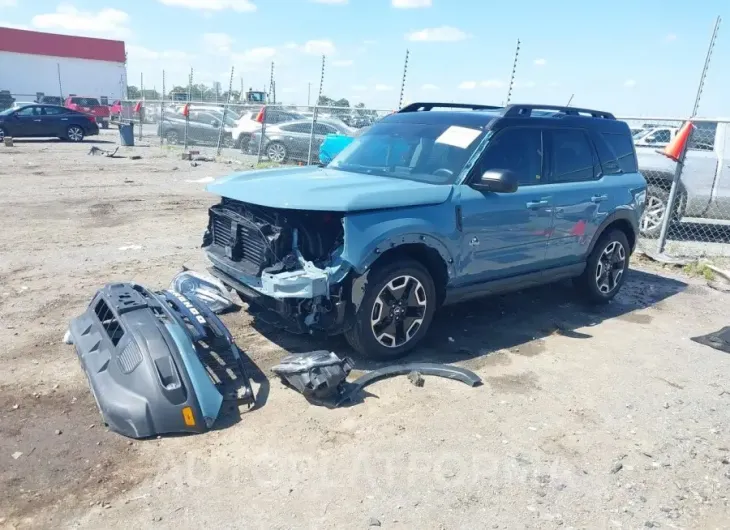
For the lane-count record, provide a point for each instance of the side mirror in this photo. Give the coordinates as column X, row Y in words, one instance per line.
column 215, row 123
column 497, row 181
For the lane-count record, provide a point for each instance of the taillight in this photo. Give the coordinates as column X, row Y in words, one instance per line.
column 260, row 115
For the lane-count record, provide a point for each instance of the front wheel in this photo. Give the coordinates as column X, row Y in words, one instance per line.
column 657, row 205
column 395, row 312
column 2, row 134
column 606, row 268
column 75, row 133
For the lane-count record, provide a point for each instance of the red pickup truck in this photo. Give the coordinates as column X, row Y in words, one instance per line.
column 90, row 106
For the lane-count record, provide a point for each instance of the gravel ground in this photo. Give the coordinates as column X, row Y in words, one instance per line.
column 587, row 419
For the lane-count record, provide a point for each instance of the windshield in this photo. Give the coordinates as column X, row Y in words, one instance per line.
column 425, row 152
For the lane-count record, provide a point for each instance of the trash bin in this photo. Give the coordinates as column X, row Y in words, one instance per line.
column 126, row 134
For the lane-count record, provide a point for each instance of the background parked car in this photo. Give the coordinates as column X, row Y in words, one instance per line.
column 202, row 129
column 90, row 106
column 290, row 140
column 36, row 120
column 51, row 100
column 251, row 120
column 656, row 137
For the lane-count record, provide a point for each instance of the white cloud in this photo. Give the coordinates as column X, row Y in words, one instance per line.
column 671, row 37
column 468, row 85
column 383, row 88
column 411, row 4
column 140, row 53
column 8, row 3
column 441, row 34
column 319, row 47
column 218, row 43
column 630, row 83
column 540, row 62
column 553, row 84
column 526, row 84
column 341, row 63
column 429, row 87
column 492, row 83
column 242, row 6
column 359, row 88
column 110, row 23
column 255, row 55
column 331, row 2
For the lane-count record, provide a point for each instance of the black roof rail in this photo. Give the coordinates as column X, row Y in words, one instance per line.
column 415, row 107
column 526, row 111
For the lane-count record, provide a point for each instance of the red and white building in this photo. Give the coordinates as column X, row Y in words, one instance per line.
column 32, row 62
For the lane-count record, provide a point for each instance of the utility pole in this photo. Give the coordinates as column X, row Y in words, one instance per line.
column 309, row 92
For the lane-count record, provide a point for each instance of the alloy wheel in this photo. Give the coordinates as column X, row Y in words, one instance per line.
column 610, row 267
column 75, row 134
column 276, row 152
column 654, row 213
column 398, row 311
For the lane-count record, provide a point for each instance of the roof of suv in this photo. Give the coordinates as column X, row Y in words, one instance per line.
column 484, row 115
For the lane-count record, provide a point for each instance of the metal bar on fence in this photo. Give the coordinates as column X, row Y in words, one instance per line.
column 314, row 114
column 141, row 107
column 263, row 133
column 162, row 105
column 403, row 81
column 60, row 87
column 187, row 114
column 673, row 191
column 225, row 111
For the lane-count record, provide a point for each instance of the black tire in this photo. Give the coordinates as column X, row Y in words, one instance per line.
column 276, row 152
column 173, row 138
column 362, row 335
column 75, row 133
column 2, row 134
column 657, row 200
column 592, row 287
column 104, row 124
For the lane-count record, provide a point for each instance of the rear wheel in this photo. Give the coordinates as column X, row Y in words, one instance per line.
column 276, row 152
column 396, row 310
column 657, row 204
column 75, row 133
column 606, row 269
column 173, row 138
column 2, row 134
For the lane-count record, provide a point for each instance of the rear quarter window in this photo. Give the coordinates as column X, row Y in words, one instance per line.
column 620, row 157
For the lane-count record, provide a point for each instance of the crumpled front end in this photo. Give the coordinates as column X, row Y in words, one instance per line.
column 286, row 262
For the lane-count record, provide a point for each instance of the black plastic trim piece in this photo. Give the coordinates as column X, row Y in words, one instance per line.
column 416, row 107
column 526, row 111
column 440, row 370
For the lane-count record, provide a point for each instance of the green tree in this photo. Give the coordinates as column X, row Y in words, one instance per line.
column 133, row 92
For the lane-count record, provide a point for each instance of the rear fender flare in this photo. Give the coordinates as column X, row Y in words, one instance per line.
column 625, row 214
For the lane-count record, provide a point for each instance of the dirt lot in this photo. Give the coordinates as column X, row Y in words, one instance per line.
column 587, row 418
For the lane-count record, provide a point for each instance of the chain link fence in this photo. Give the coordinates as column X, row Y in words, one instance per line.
column 697, row 218
column 255, row 134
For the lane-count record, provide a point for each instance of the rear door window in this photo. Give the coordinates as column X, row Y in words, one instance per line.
column 53, row 111
column 621, row 150
column 571, row 155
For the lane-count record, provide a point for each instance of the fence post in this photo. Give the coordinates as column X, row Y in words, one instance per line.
column 187, row 117
column 141, row 107
column 263, row 133
column 225, row 111
column 162, row 106
column 680, row 163
column 311, row 135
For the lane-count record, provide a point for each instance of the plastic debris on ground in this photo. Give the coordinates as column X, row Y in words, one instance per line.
column 318, row 375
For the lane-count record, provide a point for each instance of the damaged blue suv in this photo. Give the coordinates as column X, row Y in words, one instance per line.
column 435, row 204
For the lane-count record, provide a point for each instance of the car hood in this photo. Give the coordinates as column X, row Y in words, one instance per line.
column 315, row 188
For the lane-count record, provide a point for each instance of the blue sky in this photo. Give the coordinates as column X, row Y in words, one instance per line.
column 632, row 57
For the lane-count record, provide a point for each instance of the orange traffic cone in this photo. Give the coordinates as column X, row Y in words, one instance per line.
column 138, row 107
column 186, row 110
column 675, row 148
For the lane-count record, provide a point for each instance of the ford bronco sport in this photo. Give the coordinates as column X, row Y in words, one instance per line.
column 429, row 208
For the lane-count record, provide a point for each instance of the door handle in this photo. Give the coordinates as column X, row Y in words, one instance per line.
column 36, row 120
column 64, row 119
column 534, row 205
column 599, row 198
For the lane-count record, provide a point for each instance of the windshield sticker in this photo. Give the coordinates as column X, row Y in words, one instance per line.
column 461, row 137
